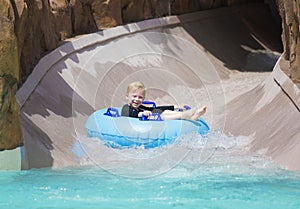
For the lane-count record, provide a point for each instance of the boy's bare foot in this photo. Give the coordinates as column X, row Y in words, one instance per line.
column 198, row 113
column 187, row 115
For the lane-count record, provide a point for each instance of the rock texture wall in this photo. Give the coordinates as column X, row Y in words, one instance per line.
column 10, row 135
column 290, row 14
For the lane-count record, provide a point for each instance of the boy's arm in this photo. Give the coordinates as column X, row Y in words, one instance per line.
column 129, row 111
column 125, row 110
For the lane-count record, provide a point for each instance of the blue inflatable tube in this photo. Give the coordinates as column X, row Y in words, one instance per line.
column 122, row 132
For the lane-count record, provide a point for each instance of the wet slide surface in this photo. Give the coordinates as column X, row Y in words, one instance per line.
column 210, row 58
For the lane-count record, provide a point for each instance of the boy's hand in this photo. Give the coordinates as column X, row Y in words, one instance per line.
column 147, row 113
column 180, row 107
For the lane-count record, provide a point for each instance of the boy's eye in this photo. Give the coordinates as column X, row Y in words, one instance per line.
column 137, row 96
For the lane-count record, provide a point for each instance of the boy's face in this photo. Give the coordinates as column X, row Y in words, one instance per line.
column 135, row 98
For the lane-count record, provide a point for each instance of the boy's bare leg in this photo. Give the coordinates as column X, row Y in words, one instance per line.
column 192, row 114
column 172, row 115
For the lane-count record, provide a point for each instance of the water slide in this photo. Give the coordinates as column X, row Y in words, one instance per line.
column 220, row 58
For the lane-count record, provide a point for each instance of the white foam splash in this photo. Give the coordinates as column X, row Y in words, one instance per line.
column 224, row 153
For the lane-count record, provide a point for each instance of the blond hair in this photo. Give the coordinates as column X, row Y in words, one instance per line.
column 137, row 85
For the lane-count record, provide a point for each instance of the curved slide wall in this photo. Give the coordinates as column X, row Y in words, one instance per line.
column 179, row 58
column 270, row 114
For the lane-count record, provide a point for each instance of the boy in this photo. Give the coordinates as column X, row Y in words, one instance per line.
column 135, row 96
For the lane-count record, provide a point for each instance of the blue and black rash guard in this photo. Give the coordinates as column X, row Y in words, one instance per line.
column 129, row 111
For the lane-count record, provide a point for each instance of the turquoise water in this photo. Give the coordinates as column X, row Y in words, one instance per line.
column 214, row 173
column 208, row 186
